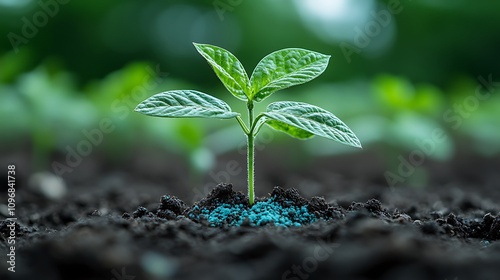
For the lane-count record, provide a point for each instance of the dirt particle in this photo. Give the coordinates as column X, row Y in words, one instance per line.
column 494, row 233
column 171, row 203
column 140, row 212
column 430, row 227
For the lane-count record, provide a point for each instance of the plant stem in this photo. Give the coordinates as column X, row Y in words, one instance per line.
column 250, row 163
column 250, row 154
column 242, row 124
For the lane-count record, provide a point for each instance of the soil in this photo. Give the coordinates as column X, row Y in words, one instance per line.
column 363, row 231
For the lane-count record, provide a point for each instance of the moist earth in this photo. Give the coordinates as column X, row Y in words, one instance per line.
column 395, row 235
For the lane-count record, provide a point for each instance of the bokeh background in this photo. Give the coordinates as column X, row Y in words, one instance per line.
column 417, row 81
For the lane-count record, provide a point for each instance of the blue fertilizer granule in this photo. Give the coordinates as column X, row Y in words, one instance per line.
column 260, row 213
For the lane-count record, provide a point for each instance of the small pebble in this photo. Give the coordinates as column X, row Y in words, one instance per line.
column 47, row 185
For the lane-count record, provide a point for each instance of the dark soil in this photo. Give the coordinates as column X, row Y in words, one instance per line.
column 403, row 234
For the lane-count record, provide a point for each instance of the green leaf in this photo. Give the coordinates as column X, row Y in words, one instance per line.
column 185, row 104
column 228, row 68
column 290, row 130
column 313, row 120
column 285, row 68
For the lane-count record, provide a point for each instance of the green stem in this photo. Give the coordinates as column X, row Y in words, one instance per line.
column 250, row 163
column 242, row 124
column 256, row 127
column 250, row 154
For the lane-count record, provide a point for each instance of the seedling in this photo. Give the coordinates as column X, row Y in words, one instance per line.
column 276, row 71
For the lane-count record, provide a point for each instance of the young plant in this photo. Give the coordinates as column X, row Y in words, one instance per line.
column 276, row 71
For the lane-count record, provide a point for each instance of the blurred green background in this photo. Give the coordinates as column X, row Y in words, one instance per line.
column 71, row 73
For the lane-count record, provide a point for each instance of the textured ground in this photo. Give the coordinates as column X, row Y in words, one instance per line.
column 103, row 233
